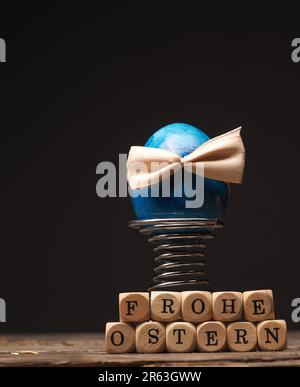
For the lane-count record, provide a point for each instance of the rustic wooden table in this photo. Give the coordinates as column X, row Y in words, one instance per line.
column 87, row 350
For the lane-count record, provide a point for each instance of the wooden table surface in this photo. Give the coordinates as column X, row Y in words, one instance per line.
column 88, row 350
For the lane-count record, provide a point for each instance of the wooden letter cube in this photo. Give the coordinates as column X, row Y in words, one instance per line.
column 119, row 337
column 211, row 336
column 241, row 336
column 150, row 337
column 227, row 306
column 165, row 306
column 196, row 306
column 134, row 307
column 272, row 335
column 180, row 337
column 258, row 305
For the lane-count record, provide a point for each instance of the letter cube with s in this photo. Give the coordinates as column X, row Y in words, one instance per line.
column 150, row 337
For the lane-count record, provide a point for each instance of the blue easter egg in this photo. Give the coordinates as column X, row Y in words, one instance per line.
column 181, row 139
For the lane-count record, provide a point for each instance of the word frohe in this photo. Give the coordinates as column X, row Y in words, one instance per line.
column 196, row 321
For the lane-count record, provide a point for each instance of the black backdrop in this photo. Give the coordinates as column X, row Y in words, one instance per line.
column 82, row 85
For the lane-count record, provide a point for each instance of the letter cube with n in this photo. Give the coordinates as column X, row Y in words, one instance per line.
column 134, row 307
column 272, row 335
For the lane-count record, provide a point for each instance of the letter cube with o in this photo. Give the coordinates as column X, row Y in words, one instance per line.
column 196, row 306
column 119, row 337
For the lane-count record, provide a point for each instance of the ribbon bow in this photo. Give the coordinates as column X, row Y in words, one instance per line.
column 223, row 158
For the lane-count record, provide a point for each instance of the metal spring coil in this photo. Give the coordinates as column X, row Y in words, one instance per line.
column 179, row 246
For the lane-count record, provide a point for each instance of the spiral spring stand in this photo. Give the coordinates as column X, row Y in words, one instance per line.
column 179, row 246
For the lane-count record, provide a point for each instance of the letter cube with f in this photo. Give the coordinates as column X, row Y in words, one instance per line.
column 134, row 307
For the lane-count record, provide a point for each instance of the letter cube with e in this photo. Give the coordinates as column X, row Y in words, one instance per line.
column 227, row 306
column 180, row 337
column 272, row 335
column 258, row 305
column 119, row 337
column 165, row 306
column 196, row 306
column 211, row 336
column 134, row 307
column 241, row 336
column 150, row 337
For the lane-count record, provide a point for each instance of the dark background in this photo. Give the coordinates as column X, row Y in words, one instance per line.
column 82, row 85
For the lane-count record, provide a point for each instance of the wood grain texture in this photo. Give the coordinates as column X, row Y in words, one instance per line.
column 88, row 350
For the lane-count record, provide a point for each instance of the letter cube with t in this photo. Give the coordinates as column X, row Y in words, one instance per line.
column 196, row 306
column 134, row 307
column 180, row 337
column 119, row 337
column 211, row 336
column 272, row 335
column 241, row 336
column 150, row 337
column 165, row 306
column 227, row 306
column 258, row 305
